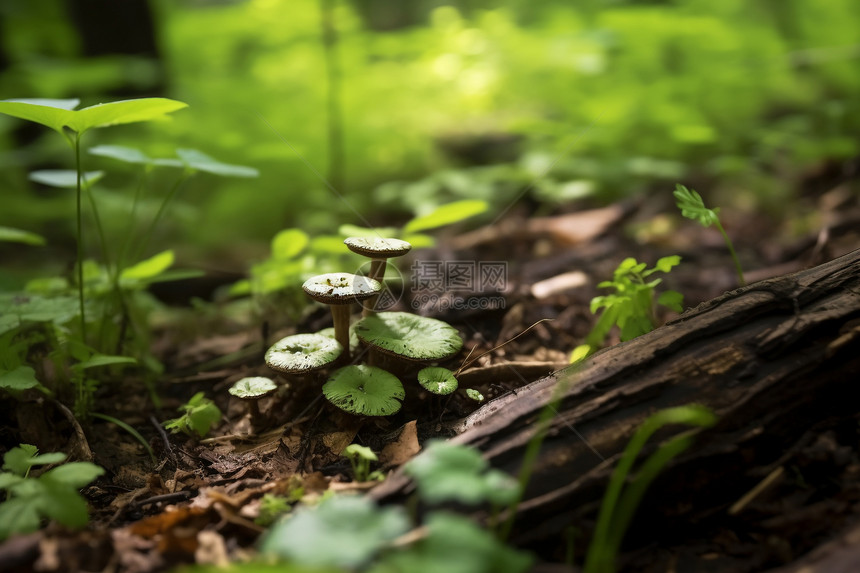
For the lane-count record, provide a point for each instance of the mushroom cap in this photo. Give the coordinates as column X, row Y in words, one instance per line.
column 253, row 387
column 303, row 353
column 377, row 247
column 364, row 390
column 437, row 380
column 409, row 336
column 341, row 288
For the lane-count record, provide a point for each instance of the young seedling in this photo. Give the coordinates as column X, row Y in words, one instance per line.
column 631, row 306
column 409, row 336
column 251, row 390
column 53, row 495
column 360, row 458
column 199, row 415
column 693, row 207
column 338, row 290
column 61, row 116
column 364, row 391
column 379, row 250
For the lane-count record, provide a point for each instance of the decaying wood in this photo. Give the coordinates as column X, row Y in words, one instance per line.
column 773, row 360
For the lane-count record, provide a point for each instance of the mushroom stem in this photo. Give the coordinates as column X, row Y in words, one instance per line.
column 377, row 272
column 256, row 416
column 340, row 317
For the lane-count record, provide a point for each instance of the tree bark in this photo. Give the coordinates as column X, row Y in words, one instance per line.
column 773, row 360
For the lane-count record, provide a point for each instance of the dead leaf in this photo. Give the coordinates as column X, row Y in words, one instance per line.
column 403, row 448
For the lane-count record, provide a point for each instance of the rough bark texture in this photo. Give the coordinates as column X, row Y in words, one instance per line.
column 775, row 360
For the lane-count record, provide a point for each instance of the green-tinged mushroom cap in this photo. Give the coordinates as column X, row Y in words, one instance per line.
column 253, row 387
column 437, row 380
column 377, row 248
column 410, row 336
column 341, row 288
column 303, row 353
column 353, row 337
column 364, row 390
column 338, row 290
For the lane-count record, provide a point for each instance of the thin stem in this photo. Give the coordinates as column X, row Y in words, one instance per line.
column 78, row 237
column 148, row 235
column 728, row 241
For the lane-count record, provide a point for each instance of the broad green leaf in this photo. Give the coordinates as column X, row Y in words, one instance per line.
column 119, row 112
column 420, row 241
column 343, row 531
column 672, row 299
column 148, row 268
column 19, row 460
column 202, row 162
column 666, row 264
column 104, row 360
column 12, row 235
column 121, row 153
column 21, row 378
column 356, row 231
column 289, row 243
column 18, row 515
column 65, row 178
column 74, row 475
column 581, row 352
column 62, row 503
column 693, row 207
column 53, row 113
column 9, row 480
column 446, row 215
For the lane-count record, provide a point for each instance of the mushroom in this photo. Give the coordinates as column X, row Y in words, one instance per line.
column 251, row 390
column 413, row 337
column 338, row 290
column 379, row 250
column 302, row 353
column 364, row 390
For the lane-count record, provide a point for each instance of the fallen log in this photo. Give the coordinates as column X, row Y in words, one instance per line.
column 776, row 361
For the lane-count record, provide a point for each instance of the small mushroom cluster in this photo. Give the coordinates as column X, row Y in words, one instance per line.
column 358, row 388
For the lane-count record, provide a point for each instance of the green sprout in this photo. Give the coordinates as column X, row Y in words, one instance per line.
column 631, row 306
column 617, row 508
column 53, row 495
column 693, row 207
column 359, row 458
column 199, row 415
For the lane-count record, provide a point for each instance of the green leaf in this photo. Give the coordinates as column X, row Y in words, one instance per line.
column 19, row 460
column 65, row 178
column 356, row 231
column 73, row 475
column 21, row 378
column 63, row 504
column 693, row 207
column 12, row 235
column 359, row 452
column 104, row 360
column 446, row 215
column 289, row 243
column 581, row 352
column 17, row 516
column 53, row 113
column 202, row 162
column 672, row 299
column 343, row 531
column 474, row 395
column 121, row 153
column 666, row 264
column 120, row 112
column 148, row 268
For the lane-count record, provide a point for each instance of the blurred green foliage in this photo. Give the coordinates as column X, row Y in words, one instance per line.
column 601, row 97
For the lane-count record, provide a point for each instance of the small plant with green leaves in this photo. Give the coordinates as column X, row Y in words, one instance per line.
column 53, row 495
column 620, row 501
column 692, row 206
column 360, row 458
column 631, row 306
column 198, row 417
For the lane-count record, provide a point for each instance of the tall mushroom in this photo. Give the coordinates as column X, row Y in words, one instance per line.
column 379, row 250
column 338, row 290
